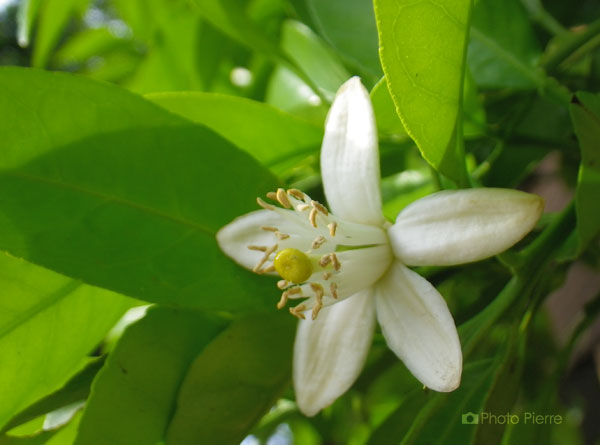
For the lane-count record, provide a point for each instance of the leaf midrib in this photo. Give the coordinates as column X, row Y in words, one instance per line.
column 41, row 306
column 117, row 199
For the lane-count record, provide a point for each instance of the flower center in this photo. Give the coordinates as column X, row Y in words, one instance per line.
column 293, row 265
column 318, row 255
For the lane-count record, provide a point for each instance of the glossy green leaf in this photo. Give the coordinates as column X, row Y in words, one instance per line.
column 349, row 26
column 240, row 120
column 53, row 17
column 423, row 57
column 48, row 324
column 134, row 395
column 503, row 50
column 388, row 122
column 585, row 112
column 313, row 57
column 76, row 389
column 234, row 381
column 134, row 210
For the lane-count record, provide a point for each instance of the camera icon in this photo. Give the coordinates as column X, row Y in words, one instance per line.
column 470, row 419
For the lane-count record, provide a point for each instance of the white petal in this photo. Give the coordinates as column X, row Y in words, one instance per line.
column 460, row 226
column 350, row 157
column 245, row 231
column 330, row 351
column 419, row 328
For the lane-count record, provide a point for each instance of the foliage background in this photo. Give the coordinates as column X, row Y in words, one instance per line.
column 141, row 127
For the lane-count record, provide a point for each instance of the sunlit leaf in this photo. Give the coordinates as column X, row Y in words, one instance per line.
column 240, row 120
column 423, row 57
column 134, row 210
column 48, row 324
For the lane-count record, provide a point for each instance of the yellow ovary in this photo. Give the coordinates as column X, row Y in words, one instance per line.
column 293, row 265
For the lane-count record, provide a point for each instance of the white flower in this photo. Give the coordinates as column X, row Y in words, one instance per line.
column 349, row 265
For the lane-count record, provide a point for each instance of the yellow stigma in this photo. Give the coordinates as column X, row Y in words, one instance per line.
column 293, row 265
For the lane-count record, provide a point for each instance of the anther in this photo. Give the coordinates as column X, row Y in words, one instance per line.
column 333, row 289
column 259, row 248
column 318, row 242
column 272, row 195
column 283, row 300
column 264, row 205
column 295, row 290
column 282, row 284
column 296, row 194
column 302, row 207
column 316, row 309
column 283, row 199
column 320, row 207
column 269, row 269
column 312, row 217
column 325, row 260
column 335, row 261
column 326, row 275
column 318, row 290
column 281, row 236
column 269, row 228
column 332, row 226
column 297, row 311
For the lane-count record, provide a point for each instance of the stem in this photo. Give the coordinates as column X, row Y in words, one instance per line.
column 551, row 64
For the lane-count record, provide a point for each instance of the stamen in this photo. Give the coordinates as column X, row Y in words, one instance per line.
column 316, row 309
column 318, row 242
column 282, row 284
column 264, row 205
column 296, row 194
column 272, row 195
column 326, row 275
column 269, row 228
column 320, row 207
column 335, row 261
column 283, row 199
column 264, row 259
column 295, row 290
column 297, row 311
column 281, row 236
column 325, row 260
column 318, row 290
column 333, row 289
column 269, row 269
column 259, row 248
column 302, row 207
column 313, row 218
column 332, row 226
column 283, row 300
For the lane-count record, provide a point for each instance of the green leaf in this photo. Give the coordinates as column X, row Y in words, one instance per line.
column 234, row 381
column 48, row 324
column 423, row 57
column 503, row 50
column 388, row 122
column 240, row 120
column 232, row 18
column 313, row 57
column 134, row 210
column 585, row 112
column 349, row 26
column 134, row 395
column 76, row 389
column 53, row 17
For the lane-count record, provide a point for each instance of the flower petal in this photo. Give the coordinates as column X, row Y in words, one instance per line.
column 330, row 351
column 460, row 226
column 245, row 231
column 419, row 328
column 350, row 157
